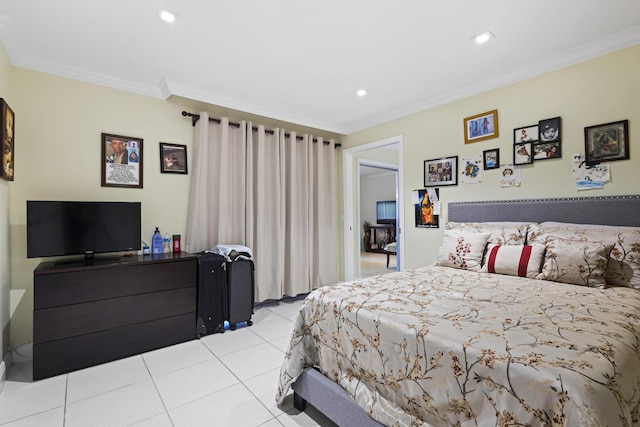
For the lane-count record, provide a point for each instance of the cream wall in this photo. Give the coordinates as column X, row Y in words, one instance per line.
column 5, row 186
column 58, row 157
column 59, row 121
column 601, row 90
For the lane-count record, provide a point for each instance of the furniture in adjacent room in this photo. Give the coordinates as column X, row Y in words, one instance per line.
column 386, row 234
column 390, row 249
column 85, row 315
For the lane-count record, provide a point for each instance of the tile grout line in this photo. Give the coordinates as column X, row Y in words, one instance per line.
column 155, row 386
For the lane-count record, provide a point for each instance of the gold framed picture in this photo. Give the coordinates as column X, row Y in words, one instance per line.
column 481, row 126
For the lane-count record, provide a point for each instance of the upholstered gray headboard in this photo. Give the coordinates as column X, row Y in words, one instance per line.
column 606, row 210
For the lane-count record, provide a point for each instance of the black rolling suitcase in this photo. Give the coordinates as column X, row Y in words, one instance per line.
column 240, row 279
column 212, row 294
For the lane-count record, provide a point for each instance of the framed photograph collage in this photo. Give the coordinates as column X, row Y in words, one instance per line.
column 540, row 141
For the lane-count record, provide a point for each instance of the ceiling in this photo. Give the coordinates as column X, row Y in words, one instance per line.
column 302, row 61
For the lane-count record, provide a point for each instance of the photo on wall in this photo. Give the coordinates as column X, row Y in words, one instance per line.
column 8, row 126
column 173, row 158
column 481, row 126
column 523, row 153
column 121, row 161
column 427, row 209
column 440, row 172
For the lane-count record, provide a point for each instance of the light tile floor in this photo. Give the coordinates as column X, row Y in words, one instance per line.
column 219, row 380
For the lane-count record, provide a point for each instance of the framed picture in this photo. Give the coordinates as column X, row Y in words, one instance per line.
column 8, row 126
column 606, row 142
column 121, row 161
column 481, row 126
column 525, row 134
column 549, row 130
column 173, row 158
column 440, row 172
column 491, row 159
column 426, row 209
column 546, row 150
column 523, row 153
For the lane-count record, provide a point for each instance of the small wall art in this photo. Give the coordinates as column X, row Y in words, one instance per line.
column 481, row 126
column 525, row 134
column 8, row 142
column 173, row 158
column 427, row 209
column 491, row 159
column 440, row 172
column 523, row 153
column 549, row 141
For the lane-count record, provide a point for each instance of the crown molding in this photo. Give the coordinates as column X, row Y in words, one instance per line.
column 236, row 104
column 564, row 59
column 164, row 89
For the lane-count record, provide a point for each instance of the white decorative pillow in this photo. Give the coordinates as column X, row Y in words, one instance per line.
column 462, row 250
column 501, row 233
column 624, row 265
column 578, row 262
column 523, row 261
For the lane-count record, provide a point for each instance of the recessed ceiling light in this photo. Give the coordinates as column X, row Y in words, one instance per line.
column 166, row 16
column 361, row 92
column 484, row 37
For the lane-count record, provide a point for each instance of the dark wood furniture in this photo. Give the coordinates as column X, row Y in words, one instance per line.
column 84, row 315
column 388, row 235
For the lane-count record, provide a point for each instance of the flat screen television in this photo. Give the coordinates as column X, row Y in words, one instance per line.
column 59, row 228
column 386, row 212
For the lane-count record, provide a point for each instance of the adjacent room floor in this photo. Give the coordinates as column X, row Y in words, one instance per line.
column 220, row 380
column 373, row 264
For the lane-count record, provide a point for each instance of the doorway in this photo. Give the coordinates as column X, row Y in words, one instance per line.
column 377, row 208
column 375, row 153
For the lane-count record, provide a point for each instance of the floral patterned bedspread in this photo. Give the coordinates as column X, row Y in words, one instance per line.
column 440, row 346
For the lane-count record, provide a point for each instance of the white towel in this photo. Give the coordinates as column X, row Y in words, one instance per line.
column 232, row 252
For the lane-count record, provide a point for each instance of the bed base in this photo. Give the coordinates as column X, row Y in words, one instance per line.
column 330, row 399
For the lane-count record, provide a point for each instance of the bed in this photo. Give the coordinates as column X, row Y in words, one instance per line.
column 530, row 316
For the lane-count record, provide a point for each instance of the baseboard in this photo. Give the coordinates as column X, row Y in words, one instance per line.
column 22, row 353
column 3, row 375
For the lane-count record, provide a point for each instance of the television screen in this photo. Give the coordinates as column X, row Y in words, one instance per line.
column 57, row 228
column 386, row 212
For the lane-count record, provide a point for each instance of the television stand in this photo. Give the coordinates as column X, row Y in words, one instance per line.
column 85, row 315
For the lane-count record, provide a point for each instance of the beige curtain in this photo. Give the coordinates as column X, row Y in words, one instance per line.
column 216, row 208
column 271, row 192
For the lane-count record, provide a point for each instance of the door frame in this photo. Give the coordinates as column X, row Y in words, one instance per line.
column 351, row 185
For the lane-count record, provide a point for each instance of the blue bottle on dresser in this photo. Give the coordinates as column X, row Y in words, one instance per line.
column 156, row 242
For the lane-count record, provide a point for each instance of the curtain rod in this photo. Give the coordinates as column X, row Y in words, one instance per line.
column 196, row 117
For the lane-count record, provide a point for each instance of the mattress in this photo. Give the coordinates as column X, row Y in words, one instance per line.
column 442, row 346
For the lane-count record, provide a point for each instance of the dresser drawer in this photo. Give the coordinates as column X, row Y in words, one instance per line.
column 66, row 355
column 63, row 288
column 68, row 321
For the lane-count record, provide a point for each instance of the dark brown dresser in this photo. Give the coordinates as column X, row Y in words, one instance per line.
column 84, row 315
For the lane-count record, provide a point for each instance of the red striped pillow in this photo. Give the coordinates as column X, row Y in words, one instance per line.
column 523, row 261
